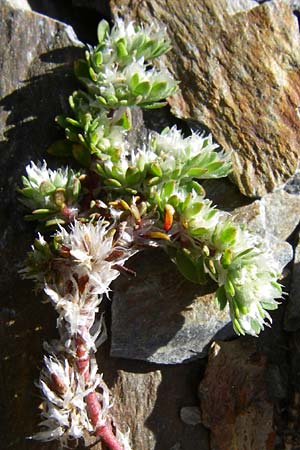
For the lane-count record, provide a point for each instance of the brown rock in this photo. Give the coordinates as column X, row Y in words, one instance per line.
column 234, row 400
column 240, row 76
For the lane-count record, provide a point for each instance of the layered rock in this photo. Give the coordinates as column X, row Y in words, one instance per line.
column 234, row 399
column 239, row 75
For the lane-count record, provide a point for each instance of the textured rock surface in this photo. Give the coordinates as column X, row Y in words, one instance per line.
column 149, row 399
column 160, row 316
column 234, row 400
column 36, row 56
column 239, row 75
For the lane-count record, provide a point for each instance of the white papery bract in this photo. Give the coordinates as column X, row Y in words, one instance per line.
column 64, row 410
column 90, row 246
column 193, row 156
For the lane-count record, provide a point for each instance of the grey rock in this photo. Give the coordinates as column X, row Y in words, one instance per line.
column 190, row 415
column 36, row 60
column 161, row 317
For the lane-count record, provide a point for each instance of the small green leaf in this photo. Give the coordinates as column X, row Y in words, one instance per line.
column 155, row 105
column 132, row 175
column 142, row 88
column 228, row 235
column 186, row 266
column 168, row 189
column 112, row 182
column 97, row 59
column 221, row 298
column 81, row 154
column 46, row 188
column 155, row 169
column 121, row 50
column 158, row 89
column 226, row 258
column 81, row 69
column 197, row 172
column 153, row 181
column 102, row 30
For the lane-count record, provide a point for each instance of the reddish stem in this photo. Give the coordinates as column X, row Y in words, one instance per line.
column 104, row 431
column 93, row 405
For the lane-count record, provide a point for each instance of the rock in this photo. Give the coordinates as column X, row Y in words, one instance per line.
column 36, row 60
column 234, row 398
column 274, row 217
column 190, row 415
column 18, row 4
column 292, row 317
column 239, row 75
column 149, row 398
column 160, row 316
column 276, row 214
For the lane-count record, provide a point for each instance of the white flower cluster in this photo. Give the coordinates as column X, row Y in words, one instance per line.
column 85, row 269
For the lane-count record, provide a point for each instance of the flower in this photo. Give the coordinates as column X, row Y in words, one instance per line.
column 90, row 248
column 64, row 410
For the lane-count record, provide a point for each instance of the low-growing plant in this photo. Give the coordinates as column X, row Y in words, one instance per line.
column 117, row 199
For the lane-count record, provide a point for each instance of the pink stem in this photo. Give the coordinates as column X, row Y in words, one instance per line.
column 104, row 431
column 93, row 405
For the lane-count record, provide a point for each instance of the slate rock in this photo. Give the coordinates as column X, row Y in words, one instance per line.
column 36, row 60
column 161, row 317
column 234, row 398
column 239, row 75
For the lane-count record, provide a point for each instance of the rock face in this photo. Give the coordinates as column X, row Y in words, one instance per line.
column 239, row 75
column 36, row 58
column 234, row 399
column 161, row 317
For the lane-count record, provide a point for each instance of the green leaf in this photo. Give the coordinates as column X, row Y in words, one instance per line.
column 199, row 232
column 46, row 188
column 142, row 88
column 155, row 169
column 112, row 182
column 97, row 59
column 168, row 189
column 153, row 181
column 132, row 175
column 82, row 155
column 226, row 258
column 81, row 69
column 121, row 50
column 197, row 172
column 158, row 89
column 192, row 270
column 102, row 30
column 153, row 105
column 228, row 235
column 221, row 298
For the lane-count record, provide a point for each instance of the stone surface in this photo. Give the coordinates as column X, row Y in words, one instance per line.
column 36, row 59
column 239, row 75
column 161, row 317
column 234, row 398
column 18, row 4
column 149, row 398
